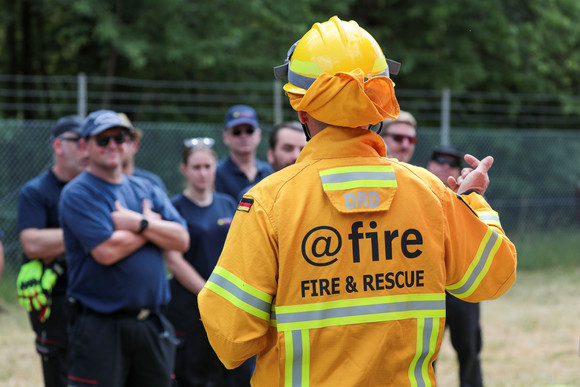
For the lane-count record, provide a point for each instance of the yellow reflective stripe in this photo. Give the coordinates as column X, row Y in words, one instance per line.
column 427, row 334
column 489, row 217
column 305, row 358
column 289, row 363
column 363, row 168
column 367, row 176
column 380, row 65
column 358, row 311
column 305, row 68
column 479, row 265
column 239, row 293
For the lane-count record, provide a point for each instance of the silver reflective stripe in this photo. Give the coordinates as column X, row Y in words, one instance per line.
column 297, row 358
column 355, row 176
column 331, row 314
column 240, row 294
column 426, row 339
column 305, row 82
column 481, row 264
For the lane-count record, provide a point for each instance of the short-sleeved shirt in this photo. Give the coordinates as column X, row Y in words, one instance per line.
column 38, row 208
column 208, row 228
column 152, row 177
column 136, row 281
column 231, row 180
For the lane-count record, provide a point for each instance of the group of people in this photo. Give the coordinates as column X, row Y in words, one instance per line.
column 108, row 295
column 327, row 265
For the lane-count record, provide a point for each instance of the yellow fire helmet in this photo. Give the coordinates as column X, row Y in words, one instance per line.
column 331, row 47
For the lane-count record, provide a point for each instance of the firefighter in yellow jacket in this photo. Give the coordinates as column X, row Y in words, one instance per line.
column 334, row 270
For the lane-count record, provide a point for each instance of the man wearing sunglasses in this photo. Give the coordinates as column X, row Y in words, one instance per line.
column 241, row 168
column 400, row 136
column 115, row 229
column 462, row 317
column 42, row 242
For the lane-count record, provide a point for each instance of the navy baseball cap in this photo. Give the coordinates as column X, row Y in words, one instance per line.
column 66, row 124
column 448, row 150
column 101, row 120
column 241, row 114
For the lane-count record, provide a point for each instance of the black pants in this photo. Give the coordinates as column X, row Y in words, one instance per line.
column 120, row 351
column 196, row 364
column 51, row 342
column 463, row 323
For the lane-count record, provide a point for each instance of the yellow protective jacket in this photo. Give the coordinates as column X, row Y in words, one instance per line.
column 334, row 270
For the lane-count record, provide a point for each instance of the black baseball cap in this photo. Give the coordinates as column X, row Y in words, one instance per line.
column 448, row 150
column 67, row 124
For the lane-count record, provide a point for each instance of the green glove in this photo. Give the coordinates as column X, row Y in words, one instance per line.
column 49, row 277
column 35, row 285
column 30, row 293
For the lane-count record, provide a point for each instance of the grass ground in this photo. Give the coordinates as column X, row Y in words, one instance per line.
column 531, row 337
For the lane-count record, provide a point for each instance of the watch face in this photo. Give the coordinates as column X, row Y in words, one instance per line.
column 143, row 225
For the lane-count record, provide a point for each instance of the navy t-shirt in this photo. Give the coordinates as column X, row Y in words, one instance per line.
column 136, row 281
column 231, row 180
column 152, row 177
column 38, row 208
column 208, row 228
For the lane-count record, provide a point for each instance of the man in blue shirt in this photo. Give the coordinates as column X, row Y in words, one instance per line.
column 115, row 228
column 241, row 168
column 42, row 241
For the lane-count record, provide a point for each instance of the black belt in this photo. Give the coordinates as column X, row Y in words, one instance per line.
column 139, row 313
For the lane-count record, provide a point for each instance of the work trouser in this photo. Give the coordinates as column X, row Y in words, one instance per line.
column 465, row 330
column 134, row 348
column 196, row 364
column 51, row 342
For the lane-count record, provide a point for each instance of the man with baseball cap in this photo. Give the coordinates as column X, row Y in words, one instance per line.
column 400, row 136
column 241, row 168
column 462, row 317
column 42, row 280
column 115, row 228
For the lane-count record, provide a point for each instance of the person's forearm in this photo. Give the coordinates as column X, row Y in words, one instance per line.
column 121, row 244
column 167, row 235
column 183, row 271
column 44, row 244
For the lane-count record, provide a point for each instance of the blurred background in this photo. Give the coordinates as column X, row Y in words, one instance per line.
column 494, row 77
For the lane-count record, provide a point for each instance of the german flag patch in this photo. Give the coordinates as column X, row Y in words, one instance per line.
column 245, row 204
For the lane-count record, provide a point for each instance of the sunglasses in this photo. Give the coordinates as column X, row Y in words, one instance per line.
column 71, row 139
column 238, row 132
column 442, row 160
column 103, row 141
column 400, row 137
column 199, row 142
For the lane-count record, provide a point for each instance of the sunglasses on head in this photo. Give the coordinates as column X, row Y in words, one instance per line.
column 238, row 132
column 400, row 137
column 199, row 141
column 442, row 160
column 103, row 141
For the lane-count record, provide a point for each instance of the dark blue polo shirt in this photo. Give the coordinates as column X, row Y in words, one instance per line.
column 38, row 208
column 231, row 180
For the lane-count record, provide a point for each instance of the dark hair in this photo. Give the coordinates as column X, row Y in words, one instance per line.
column 189, row 150
column 294, row 125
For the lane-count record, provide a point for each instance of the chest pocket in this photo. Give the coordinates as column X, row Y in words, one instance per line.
column 359, row 188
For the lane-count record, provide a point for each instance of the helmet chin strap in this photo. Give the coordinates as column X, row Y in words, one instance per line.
column 306, row 132
column 379, row 129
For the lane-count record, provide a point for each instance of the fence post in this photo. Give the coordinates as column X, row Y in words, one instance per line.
column 445, row 114
column 82, row 95
column 277, row 93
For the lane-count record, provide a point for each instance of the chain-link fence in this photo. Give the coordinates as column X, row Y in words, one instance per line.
column 533, row 179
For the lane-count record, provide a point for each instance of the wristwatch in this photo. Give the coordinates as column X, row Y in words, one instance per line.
column 143, row 225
